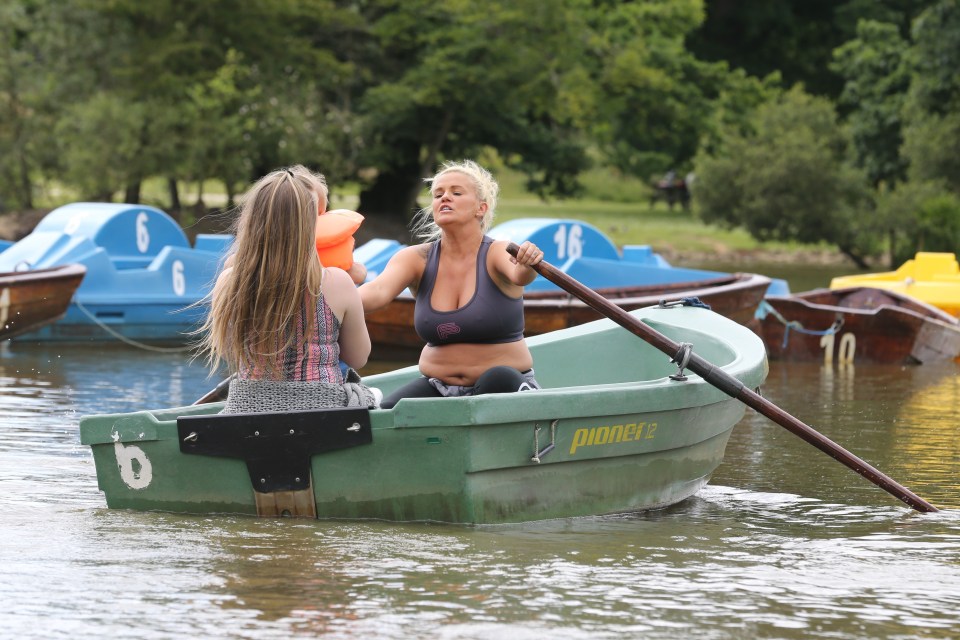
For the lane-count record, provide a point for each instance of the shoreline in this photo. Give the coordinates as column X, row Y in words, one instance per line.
column 748, row 257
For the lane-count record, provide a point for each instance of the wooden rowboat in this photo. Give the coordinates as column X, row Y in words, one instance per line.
column 616, row 428
column 735, row 296
column 32, row 299
column 857, row 324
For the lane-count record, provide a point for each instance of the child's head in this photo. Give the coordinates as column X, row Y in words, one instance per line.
column 278, row 218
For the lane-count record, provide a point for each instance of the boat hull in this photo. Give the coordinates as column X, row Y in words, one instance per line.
column 857, row 325
column 736, row 297
column 144, row 281
column 620, row 444
column 169, row 323
column 33, row 299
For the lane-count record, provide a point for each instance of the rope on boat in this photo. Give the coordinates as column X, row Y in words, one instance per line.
column 537, row 452
column 691, row 301
column 766, row 309
column 123, row 338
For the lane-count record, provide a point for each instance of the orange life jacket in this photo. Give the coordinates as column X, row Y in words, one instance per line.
column 334, row 235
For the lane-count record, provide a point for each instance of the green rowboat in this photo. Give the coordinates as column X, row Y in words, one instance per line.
column 617, row 428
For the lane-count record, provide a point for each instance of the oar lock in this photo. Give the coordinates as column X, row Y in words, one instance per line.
column 681, row 359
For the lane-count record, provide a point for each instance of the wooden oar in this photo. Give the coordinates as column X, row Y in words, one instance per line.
column 726, row 383
column 216, row 394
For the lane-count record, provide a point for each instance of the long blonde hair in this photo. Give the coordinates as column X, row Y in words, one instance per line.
column 275, row 266
column 487, row 189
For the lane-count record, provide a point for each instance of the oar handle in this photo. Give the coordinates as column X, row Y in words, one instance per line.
column 727, row 383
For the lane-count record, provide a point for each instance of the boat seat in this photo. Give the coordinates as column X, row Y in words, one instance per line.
column 928, row 265
column 131, row 262
column 867, row 299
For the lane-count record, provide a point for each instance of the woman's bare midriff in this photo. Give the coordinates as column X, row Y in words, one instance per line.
column 462, row 364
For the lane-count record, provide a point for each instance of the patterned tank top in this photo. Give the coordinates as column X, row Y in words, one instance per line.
column 314, row 355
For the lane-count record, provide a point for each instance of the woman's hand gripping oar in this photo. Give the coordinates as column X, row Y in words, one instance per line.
column 727, row 383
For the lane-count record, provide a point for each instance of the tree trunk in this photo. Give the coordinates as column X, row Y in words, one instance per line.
column 26, row 187
column 132, row 194
column 174, row 192
column 857, row 258
column 395, row 191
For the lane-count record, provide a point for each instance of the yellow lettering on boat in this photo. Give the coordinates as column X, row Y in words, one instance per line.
column 579, row 439
column 605, row 435
column 616, row 433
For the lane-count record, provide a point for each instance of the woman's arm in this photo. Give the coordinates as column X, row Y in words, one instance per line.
column 518, row 271
column 403, row 270
column 354, row 339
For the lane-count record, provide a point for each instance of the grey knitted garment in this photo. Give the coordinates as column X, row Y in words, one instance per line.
column 265, row 396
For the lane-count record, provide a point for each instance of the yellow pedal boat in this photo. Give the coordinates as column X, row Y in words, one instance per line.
column 933, row 278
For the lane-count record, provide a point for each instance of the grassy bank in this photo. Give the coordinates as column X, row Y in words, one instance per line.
column 622, row 208
column 626, row 212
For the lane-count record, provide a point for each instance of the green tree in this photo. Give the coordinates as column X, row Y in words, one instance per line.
column 932, row 134
column 16, row 161
column 106, row 132
column 37, row 53
column 925, row 215
column 225, row 85
column 449, row 79
column 655, row 96
column 877, row 79
column 789, row 180
column 795, row 38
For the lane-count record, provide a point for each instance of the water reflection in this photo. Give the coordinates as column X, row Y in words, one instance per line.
column 785, row 542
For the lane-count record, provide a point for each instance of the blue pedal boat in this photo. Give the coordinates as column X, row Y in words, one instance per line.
column 142, row 273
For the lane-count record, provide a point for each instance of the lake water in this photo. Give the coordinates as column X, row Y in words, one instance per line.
column 785, row 542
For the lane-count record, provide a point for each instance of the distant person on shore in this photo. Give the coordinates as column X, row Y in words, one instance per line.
column 674, row 189
column 469, row 305
column 279, row 319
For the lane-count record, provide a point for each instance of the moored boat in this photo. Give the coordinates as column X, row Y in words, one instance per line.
column 143, row 276
column 930, row 277
column 736, row 296
column 635, row 277
column 32, row 299
column 615, row 429
column 857, row 325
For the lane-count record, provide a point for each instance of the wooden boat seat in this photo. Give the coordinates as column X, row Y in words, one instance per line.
column 867, row 299
column 277, row 448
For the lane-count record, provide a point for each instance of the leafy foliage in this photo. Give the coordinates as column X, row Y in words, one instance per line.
column 877, row 79
column 788, row 180
column 100, row 95
column 932, row 135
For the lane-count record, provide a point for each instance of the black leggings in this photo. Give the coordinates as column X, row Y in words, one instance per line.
column 494, row 380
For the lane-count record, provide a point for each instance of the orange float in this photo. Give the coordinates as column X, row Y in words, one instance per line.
column 334, row 234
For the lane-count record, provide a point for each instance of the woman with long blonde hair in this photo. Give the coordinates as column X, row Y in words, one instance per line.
column 279, row 320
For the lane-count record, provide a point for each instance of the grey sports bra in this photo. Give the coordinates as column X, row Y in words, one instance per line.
column 489, row 317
